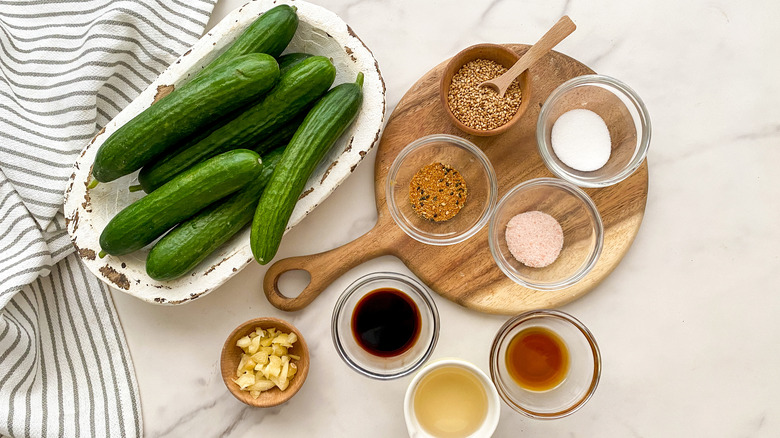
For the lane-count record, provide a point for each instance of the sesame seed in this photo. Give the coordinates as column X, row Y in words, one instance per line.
column 481, row 107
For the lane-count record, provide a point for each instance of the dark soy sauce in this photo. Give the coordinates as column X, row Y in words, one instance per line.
column 386, row 322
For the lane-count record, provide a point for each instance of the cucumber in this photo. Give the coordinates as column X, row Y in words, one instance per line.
column 143, row 221
column 275, row 140
column 179, row 251
column 183, row 114
column 281, row 136
column 269, row 34
column 303, row 84
column 278, row 138
column 286, row 62
column 320, row 129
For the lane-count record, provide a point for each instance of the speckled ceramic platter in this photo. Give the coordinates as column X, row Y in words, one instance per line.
column 320, row 32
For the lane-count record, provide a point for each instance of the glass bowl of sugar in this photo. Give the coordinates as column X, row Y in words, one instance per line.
column 593, row 131
column 546, row 234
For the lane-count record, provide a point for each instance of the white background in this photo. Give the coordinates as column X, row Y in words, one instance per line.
column 687, row 324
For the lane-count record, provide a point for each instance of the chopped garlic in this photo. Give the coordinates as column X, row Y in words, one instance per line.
column 266, row 362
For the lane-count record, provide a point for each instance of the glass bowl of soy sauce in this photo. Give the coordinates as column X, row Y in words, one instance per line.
column 385, row 325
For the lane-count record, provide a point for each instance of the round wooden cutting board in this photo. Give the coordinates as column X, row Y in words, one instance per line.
column 466, row 272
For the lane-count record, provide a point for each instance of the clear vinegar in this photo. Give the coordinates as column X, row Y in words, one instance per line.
column 450, row 402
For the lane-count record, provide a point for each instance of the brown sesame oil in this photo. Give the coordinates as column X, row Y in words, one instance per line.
column 537, row 359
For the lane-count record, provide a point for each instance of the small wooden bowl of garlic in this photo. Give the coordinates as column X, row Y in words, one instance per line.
column 264, row 362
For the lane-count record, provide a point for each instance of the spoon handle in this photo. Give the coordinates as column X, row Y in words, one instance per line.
column 563, row 28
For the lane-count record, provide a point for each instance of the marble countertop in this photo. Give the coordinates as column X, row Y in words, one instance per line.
column 687, row 323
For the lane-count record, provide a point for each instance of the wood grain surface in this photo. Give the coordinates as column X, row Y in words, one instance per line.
column 466, row 272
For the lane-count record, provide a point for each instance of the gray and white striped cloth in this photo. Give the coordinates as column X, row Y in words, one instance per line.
column 66, row 68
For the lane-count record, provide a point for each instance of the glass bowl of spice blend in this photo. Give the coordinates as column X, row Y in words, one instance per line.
column 546, row 234
column 593, row 131
column 441, row 189
column 478, row 110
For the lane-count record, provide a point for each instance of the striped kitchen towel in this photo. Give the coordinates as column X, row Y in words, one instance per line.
column 66, row 68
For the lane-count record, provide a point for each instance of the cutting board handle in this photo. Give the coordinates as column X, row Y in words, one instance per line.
column 324, row 268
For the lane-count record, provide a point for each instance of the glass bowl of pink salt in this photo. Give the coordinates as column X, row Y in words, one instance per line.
column 593, row 131
column 546, row 234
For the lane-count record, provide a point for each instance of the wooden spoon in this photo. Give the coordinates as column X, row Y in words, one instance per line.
column 563, row 28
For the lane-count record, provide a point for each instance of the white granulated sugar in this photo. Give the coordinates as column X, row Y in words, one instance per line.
column 580, row 139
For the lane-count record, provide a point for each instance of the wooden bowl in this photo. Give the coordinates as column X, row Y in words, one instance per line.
column 231, row 356
column 493, row 52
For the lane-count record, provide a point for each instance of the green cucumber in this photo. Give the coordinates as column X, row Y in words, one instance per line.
column 143, row 221
column 183, row 114
column 275, row 140
column 281, row 136
column 270, row 34
column 286, row 62
column 179, row 251
column 297, row 89
column 320, row 129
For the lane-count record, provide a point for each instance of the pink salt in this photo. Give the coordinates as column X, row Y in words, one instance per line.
column 534, row 238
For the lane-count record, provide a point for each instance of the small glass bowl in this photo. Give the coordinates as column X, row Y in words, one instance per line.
column 576, row 388
column 463, row 156
column 623, row 112
column 583, row 232
column 384, row 368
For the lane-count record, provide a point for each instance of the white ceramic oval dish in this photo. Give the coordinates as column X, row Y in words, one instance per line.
column 320, row 32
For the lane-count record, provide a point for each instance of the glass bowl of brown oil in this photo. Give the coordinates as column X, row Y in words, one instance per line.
column 545, row 364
